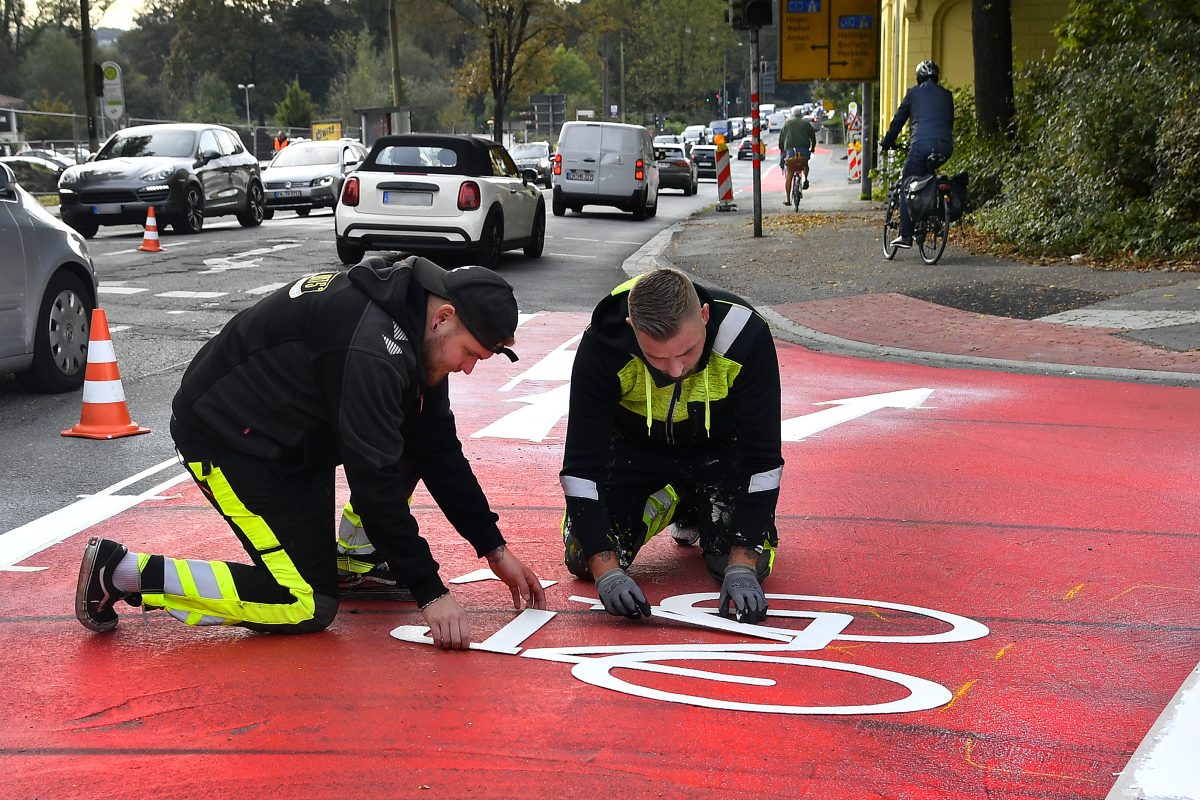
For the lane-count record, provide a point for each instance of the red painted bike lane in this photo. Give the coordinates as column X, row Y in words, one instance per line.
column 992, row 581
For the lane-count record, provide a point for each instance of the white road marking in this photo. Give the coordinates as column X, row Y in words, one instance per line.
column 568, row 255
column 192, row 295
column 33, row 537
column 106, row 289
column 578, row 239
column 174, row 245
column 798, row 428
column 270, row 287
column 118, row 328
column 486, row 574
column 243, row 260
column 1164, row 767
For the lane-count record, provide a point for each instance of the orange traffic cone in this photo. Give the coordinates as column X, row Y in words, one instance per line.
column 150, row 240
column 105, row 415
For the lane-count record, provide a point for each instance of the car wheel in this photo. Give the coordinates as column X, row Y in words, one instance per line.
column 86, row 229
column 549, row 183
column 491, row 243
column 639, row 206
column 268, row 213
column 557, row 205
column 695, row 185
column 192, row 220
column 255, row 211
column 60, row 340
column 653, row 210
column 348, row 252
column 537, row 236
column 303, row 211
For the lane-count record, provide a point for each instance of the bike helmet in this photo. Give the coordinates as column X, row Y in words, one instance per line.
column 927, row 71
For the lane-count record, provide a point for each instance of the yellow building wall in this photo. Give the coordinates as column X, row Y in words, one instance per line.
column 914, row 30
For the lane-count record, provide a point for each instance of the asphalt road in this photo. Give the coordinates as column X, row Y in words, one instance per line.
column 162, row 307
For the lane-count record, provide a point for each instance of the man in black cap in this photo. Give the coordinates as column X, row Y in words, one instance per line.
column 336, row 368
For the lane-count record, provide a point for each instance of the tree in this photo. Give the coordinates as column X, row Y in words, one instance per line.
column 515, row 35
column 991, row 40
column 211, row 102
column 296, row 109
column 40, row 128
column 53, row 67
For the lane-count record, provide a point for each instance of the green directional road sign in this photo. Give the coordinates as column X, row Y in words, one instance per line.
column 836, row 40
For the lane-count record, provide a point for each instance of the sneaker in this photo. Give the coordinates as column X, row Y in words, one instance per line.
column 378, row 582
column 685, row 535
column 95, row 593
column 787, row 203
column 805, row 187
column 900, row 241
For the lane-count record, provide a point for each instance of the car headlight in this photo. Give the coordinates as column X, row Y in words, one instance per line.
column 158, row 175
column 69, row 178
column 324, row 180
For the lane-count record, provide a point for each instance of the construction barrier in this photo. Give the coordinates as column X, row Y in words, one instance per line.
column 150, row 239
column 105, row 414
column 854, row 152
column 724, row 177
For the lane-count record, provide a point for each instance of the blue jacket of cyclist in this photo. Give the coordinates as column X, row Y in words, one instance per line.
column 929, row 111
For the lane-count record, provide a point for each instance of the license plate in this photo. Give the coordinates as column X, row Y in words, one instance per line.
column 408, row 198
column 580, row 174
column 107, row 208
column 294, row 193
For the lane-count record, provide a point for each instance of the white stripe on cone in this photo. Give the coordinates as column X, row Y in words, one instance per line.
column 103, row 392
column 100, row 351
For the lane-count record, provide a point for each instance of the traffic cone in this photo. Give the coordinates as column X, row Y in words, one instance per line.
column 105, row 415
column 150, row 240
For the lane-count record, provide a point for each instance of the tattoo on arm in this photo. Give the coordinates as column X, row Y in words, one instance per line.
column 496, row 554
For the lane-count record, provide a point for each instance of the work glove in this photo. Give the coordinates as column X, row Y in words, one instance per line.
column 621, row 596
column 742, row 597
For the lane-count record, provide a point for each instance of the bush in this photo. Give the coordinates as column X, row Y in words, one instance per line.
column 1108, row 156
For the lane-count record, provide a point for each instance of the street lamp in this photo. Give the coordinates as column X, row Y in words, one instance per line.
column 246, row 87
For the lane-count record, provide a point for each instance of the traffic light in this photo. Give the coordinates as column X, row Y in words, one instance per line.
column 757, row 13
column 98, row 79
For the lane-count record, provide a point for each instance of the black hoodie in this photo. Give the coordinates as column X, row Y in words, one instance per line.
column 327, row 371
column 730, row 405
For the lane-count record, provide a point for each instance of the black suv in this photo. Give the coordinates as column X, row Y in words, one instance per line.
column 186, row 172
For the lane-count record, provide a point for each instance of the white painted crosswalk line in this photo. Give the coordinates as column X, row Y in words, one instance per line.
column 192, row 295
column 121, row 289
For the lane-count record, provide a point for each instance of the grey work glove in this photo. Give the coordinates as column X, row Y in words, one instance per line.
column 742, row 597
column 621, row 596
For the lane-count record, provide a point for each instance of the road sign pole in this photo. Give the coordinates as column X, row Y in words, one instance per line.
column 756, row 160
column 868, row 147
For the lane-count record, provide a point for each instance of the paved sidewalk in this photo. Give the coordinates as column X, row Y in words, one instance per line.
column 821, row 278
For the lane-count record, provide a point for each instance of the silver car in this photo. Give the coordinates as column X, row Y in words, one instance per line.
column 308, row 175
column 535, row 156
column 47, row 293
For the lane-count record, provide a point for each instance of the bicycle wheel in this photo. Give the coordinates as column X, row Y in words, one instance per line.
column 937, row 231
column 891, row 227
column 797, row 192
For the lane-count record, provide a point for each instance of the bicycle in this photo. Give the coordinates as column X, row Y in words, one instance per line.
column 930, row 232
column 797, row 164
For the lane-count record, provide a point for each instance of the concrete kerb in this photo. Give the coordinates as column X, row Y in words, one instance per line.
column 649, row 256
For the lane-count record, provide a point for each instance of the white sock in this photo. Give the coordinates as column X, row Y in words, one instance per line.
column 126, row 577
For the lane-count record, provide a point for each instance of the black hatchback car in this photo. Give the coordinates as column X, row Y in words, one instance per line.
column 185, row 171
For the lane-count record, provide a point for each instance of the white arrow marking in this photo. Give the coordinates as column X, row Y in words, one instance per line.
column 798, row 428
column 242, row 260
column 487, row 575
column 533, row 422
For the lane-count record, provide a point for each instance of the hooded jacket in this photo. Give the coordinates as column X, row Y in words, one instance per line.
column 329, row 370
column 730, row 406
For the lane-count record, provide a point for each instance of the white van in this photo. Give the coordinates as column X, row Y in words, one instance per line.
column 605, row 164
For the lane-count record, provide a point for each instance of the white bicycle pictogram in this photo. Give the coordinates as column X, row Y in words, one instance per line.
column 595, row 664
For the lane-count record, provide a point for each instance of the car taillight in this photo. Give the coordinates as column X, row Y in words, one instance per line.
column 639, row 170
column 558, row 163
column 468, row 196
column 350, row 191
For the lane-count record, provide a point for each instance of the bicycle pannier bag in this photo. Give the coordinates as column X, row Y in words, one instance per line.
column 958, row 196
column 921, row 196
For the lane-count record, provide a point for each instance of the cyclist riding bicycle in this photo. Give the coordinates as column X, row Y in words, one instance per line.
column 929, row 111
column 797, row 140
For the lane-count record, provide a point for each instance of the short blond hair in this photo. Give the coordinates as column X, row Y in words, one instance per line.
column 661, row 300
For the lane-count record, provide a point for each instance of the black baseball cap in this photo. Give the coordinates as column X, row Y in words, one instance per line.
column 483, row 301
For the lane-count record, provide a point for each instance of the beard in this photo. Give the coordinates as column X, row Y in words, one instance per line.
column 432, row 349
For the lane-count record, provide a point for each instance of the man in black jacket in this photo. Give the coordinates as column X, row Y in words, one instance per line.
column 337, row 368
column 674, row 417
column 929, row 111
